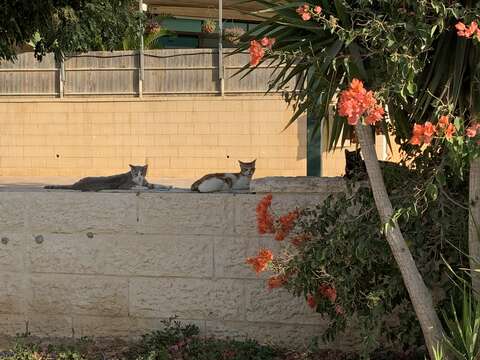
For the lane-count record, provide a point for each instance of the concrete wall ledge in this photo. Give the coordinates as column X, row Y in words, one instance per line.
column 298, row 184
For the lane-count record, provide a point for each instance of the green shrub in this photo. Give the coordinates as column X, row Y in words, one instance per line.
column 338, row 260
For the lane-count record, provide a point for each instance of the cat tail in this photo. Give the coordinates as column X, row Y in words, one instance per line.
column 195, row 185
column 59, row 187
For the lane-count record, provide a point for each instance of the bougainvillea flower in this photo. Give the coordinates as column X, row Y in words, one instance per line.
column 417, row 137
column 286, row 224
column 467, row 31
column 317, row 9
column 356, row 101
column 443, row 121
column 256, row 52
column 261, row 261
column 306, row 16
column 375, row 115
column 280, row 235
column 304, row 12
column 276, row 281
column 311, row 301
column 328, row 291
column 299, row 239
column 264, row 218
column 449, row 131
column 267, row 42
column 472, row 130
column 428, row 129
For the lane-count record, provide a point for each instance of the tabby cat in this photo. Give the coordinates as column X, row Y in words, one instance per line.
column 226, row 181
column 129, row 180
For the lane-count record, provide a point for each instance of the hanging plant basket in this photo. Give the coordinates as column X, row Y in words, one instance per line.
column 209, row 26
column 152, row 26
column 233, row 35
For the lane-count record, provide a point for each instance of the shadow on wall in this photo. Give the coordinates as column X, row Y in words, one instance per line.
column 302, row 137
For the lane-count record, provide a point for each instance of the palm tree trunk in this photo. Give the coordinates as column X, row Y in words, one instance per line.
column 419, row 294
column 474, row 224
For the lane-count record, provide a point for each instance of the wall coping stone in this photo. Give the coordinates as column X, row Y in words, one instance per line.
column 298, row 184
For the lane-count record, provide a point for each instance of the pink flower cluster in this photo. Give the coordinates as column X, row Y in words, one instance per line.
column 257, row 49
column 356, row 102
column 424, row 133
column 467, row 31
column 306, row 11
column 473, row 130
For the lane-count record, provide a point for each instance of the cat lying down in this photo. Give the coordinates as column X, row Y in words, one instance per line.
column 132, row 180
column 226, row 181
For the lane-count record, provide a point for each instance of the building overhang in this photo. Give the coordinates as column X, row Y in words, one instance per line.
column 204, row 9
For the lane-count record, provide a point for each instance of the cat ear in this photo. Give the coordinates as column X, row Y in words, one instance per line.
column 144, row 171
column 131, row 166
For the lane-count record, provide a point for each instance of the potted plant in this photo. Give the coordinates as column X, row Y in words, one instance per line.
column 209, row 26
column 233, row 35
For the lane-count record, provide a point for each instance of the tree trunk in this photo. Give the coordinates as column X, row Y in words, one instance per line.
column 419, row 294
column 474, row 224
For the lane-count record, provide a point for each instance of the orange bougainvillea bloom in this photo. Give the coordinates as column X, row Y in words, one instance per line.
column 375, row 115
column 417, row 137
column 300, row 239
column 257, row 49
column 268, row 42
column 472, row 130
column 328, row 291
column 261, row 261
column 449, row 131
column 303, row 11
column 256, row 52
column 264, row 218
column 286, row 224
column 356, row 101
column 276, row 281
column 443, row 121
column 311, row 301
column 428, row 129
column 467, row 31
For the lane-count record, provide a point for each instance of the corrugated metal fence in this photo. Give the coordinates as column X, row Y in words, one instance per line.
column 166, row 72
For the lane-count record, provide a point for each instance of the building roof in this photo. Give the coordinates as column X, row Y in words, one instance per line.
column 204, row 8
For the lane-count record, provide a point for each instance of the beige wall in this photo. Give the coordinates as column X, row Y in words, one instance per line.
column 115, row 264
column 179, row 137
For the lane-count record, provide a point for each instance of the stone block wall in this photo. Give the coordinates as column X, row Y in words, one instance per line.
column 116, row 264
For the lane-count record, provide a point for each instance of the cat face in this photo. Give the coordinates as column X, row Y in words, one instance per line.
column 138, row 174
column 353, row 156
column 353, row 162
column 247, row 168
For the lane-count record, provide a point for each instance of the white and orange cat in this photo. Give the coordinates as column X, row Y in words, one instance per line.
column 226, row 181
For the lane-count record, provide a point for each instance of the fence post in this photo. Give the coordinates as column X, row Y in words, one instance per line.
column 221, row 77
column 61, row 78
column 140, row 54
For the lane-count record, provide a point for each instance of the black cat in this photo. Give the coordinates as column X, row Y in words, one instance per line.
column 354, row 165
column 135, row 177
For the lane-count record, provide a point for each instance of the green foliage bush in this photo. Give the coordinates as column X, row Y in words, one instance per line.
column 178, row 341
column 345, row 250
